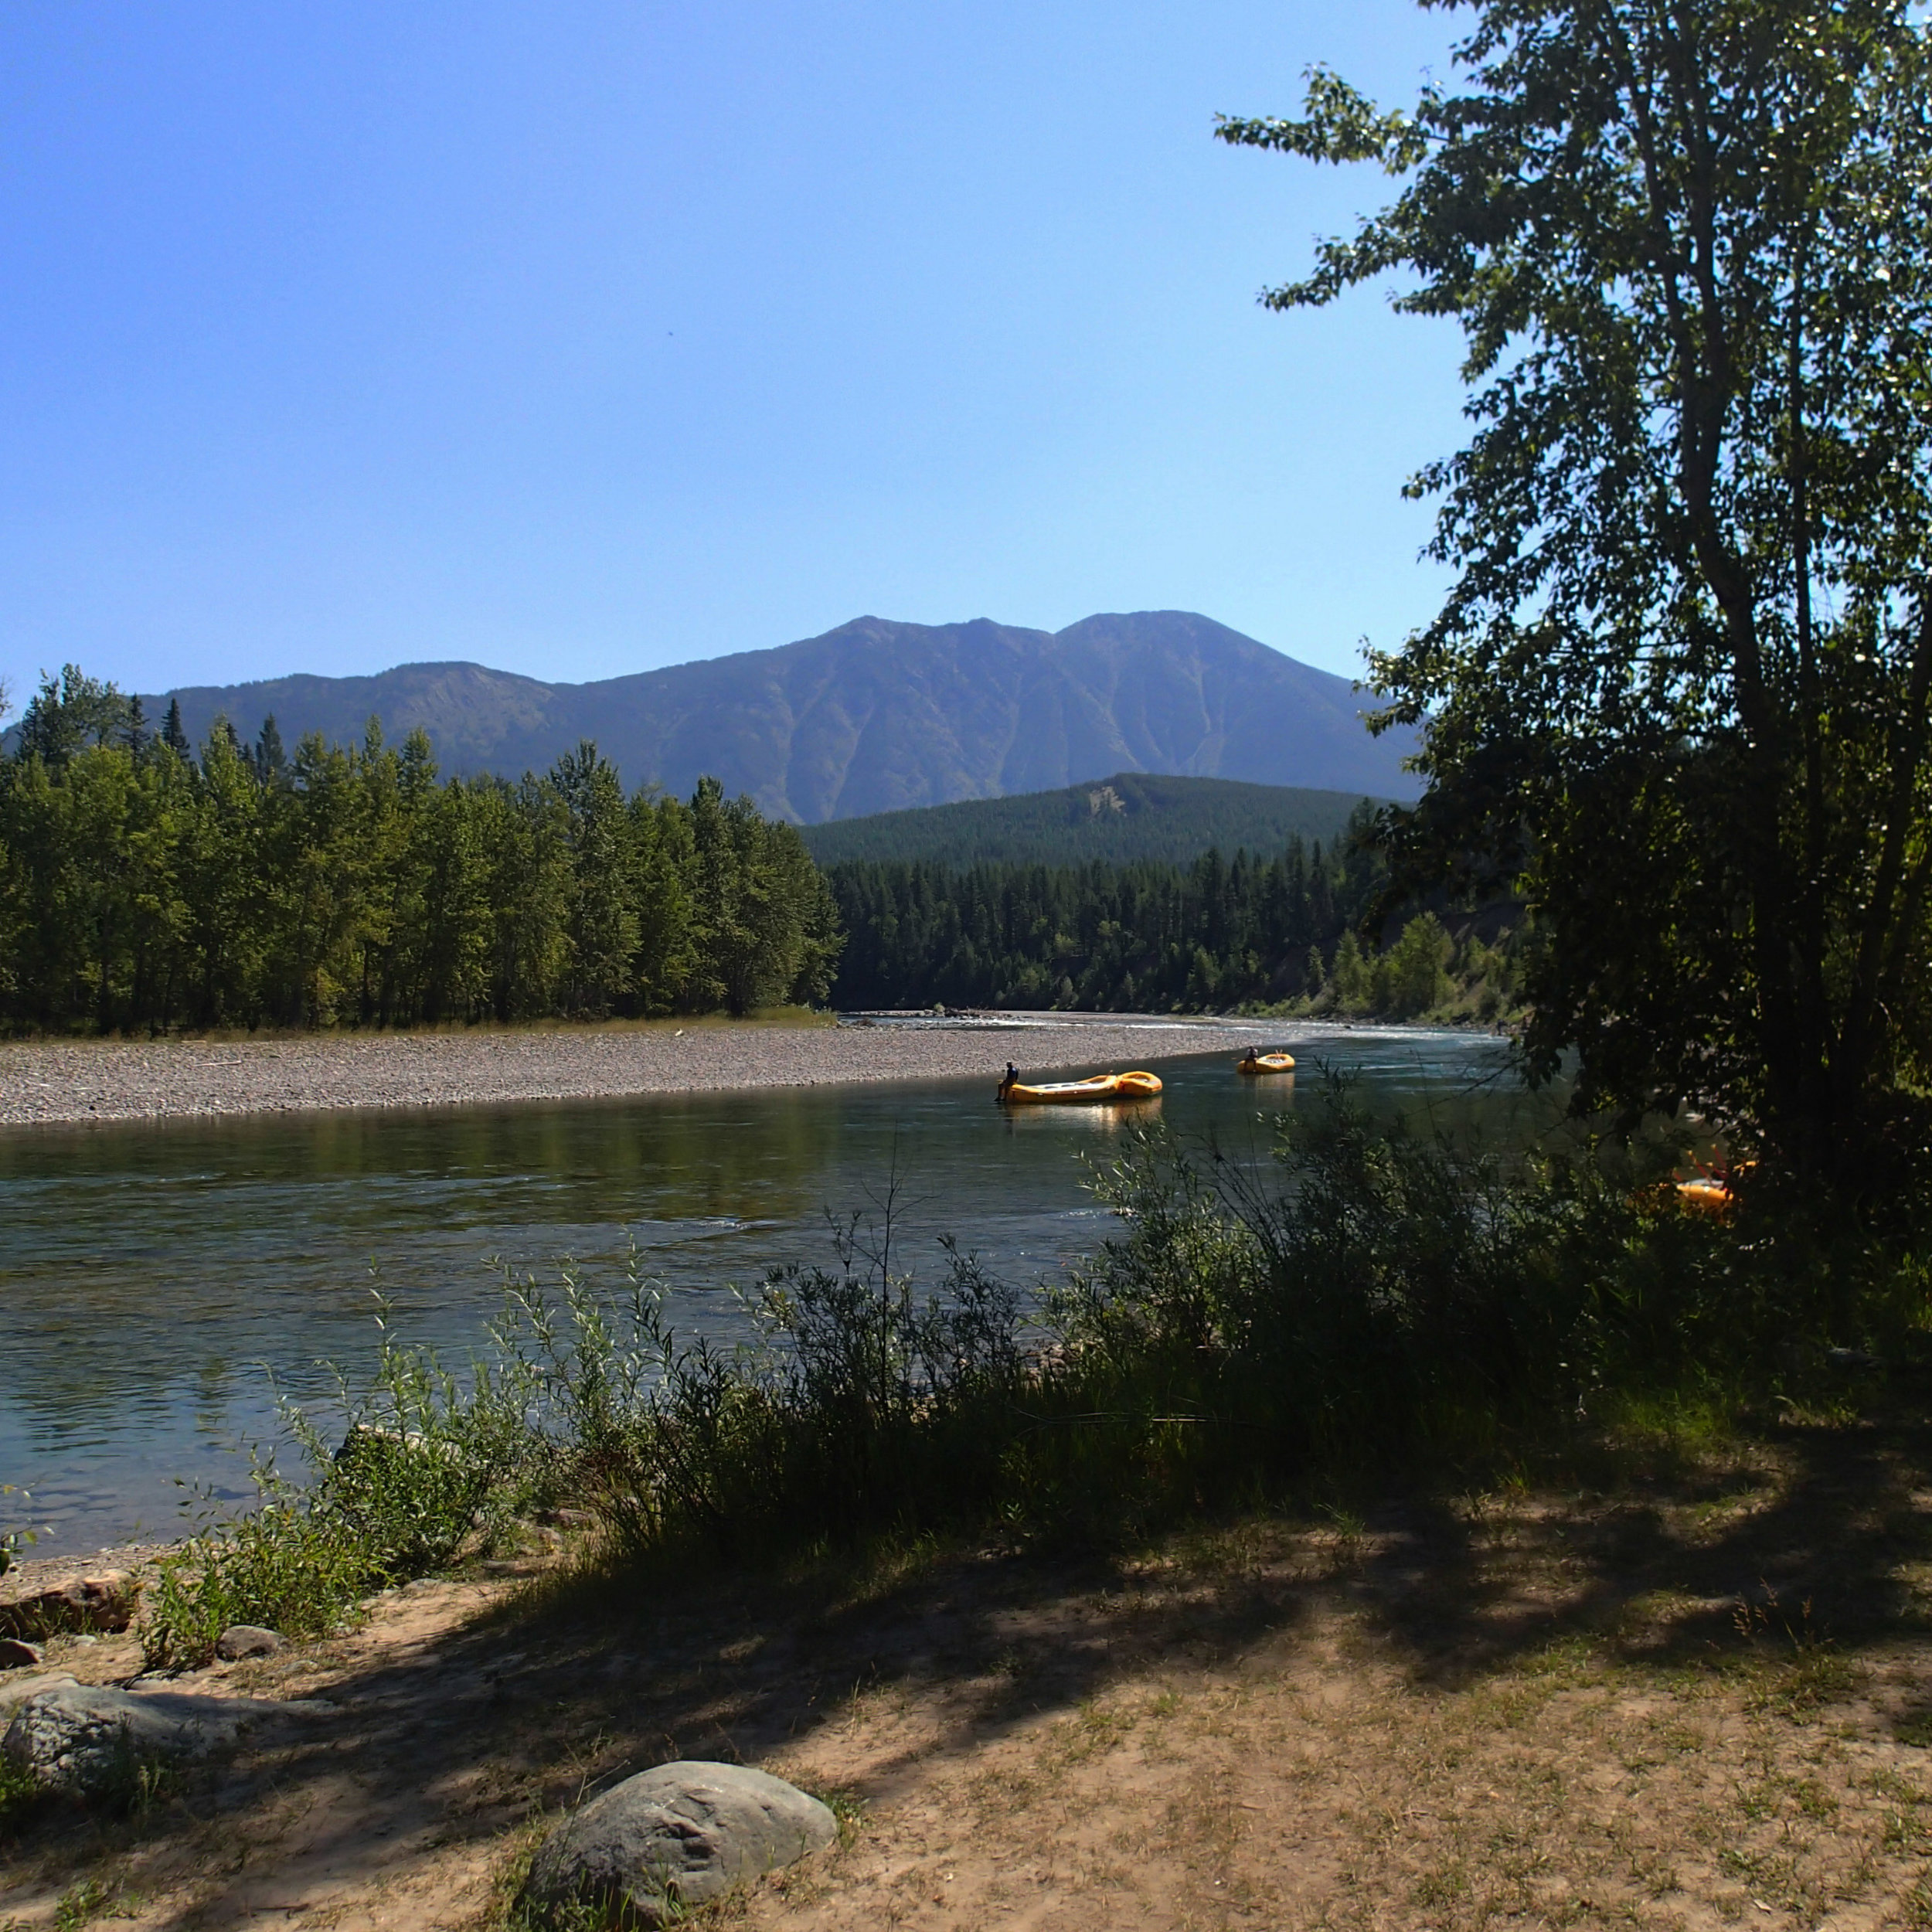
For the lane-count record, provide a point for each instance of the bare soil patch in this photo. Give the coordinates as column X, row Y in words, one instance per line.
column 1703, row 1698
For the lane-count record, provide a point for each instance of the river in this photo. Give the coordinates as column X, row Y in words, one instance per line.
column 153, row 1275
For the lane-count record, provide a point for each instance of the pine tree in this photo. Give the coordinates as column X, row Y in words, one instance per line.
column 271, row 761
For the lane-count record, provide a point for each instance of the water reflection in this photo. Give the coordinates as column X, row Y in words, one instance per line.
column 147, row 1271
column 1083, row 1122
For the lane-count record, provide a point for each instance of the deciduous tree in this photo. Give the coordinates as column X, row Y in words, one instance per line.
column 1679, row 687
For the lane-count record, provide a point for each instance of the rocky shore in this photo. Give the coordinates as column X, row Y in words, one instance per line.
column 52, row 1082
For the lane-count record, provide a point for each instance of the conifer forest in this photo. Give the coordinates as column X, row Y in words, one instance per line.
column 146, row 884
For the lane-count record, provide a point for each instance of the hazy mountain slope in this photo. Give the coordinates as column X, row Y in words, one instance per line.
column 481, row 720
column 878, row 715
column 1130, row 816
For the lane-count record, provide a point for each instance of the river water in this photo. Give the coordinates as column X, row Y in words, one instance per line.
column 152, row 1275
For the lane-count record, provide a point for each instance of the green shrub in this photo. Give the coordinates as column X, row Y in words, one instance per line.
column 1413, row 976
column 428, row 1467
column 284, row 1564
column 16, row 1537
column 860, row 1402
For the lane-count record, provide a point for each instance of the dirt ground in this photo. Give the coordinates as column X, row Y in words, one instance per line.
column 1703, row 1699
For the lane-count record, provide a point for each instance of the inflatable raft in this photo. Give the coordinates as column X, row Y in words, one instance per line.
column 1101, row 1089
column 1706, row 1197
column 1274, row 1062
column 1712, row 1192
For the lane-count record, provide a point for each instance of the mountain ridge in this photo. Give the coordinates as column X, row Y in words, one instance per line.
column 878, row 715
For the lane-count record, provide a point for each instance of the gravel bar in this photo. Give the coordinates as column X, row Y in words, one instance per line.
column 50, row 1082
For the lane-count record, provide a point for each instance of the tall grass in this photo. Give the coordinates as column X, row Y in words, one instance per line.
column 1371, row 1295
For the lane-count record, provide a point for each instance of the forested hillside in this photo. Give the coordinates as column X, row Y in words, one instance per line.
column 1124, row 938
column 146, row 884
column 1132, row 815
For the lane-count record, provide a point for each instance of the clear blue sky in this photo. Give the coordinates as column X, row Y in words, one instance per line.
column 580, row 338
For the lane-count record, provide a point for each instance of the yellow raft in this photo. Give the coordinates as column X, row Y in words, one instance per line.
column 1097, row 1091
column 1712, row 1190
column 1705, row 1196
column 1276, row 1062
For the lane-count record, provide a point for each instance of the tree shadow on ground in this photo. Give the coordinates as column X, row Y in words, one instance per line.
column 525, row 1709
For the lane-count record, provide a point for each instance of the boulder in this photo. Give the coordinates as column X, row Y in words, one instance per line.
column 246, row 1640
column 105, row 1602
column 86, row 1738
column 17, row 1653
column 17, row 1690
column 670, row 1838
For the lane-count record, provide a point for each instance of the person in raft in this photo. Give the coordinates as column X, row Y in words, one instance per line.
column 1012, row 1076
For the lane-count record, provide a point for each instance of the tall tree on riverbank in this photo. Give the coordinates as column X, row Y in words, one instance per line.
column 1680, row 689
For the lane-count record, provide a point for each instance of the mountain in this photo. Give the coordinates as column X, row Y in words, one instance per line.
column 876, row 716
column 1129, row 816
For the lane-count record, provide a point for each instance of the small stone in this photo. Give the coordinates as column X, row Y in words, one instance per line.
column 676, row 1837
column 246, row 1640
column 17, row 1654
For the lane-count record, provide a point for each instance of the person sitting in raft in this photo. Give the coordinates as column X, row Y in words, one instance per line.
column 1012, row 1076
column 1252, row 1057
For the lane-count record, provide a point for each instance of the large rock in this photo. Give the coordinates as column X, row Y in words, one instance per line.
column 105, row 1602
column 674, row 1837
column 87, row 1738
column 17, row 1690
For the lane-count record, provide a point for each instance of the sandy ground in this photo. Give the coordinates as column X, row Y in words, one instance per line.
column 1698, row 1702
column 116, row 1080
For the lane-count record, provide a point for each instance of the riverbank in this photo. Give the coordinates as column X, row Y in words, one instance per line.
column 55, row 1082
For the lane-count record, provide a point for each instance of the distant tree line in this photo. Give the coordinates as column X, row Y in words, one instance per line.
column 145, row 884
column 1217, row 933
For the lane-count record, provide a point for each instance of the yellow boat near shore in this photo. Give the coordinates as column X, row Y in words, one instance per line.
column 1275, row 1063
column 1712, row 1190
column 1100, row 1091
column 1705, row 1196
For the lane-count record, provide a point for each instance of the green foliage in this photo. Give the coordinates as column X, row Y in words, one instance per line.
column 1413, row 974
column 431, row 1466
column 1679, row 693
column 14, row 1537
column 280, row 1565
column 140, row 888
column 1388, row 1294
column 1133, row 816
column 1205, row 936
column 20, row 1793
column 864, row 1402
column 1144, row 936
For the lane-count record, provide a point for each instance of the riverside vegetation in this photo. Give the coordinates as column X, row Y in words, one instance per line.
column 144, row 885
column 1375, row 1300
column 1256, row 933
